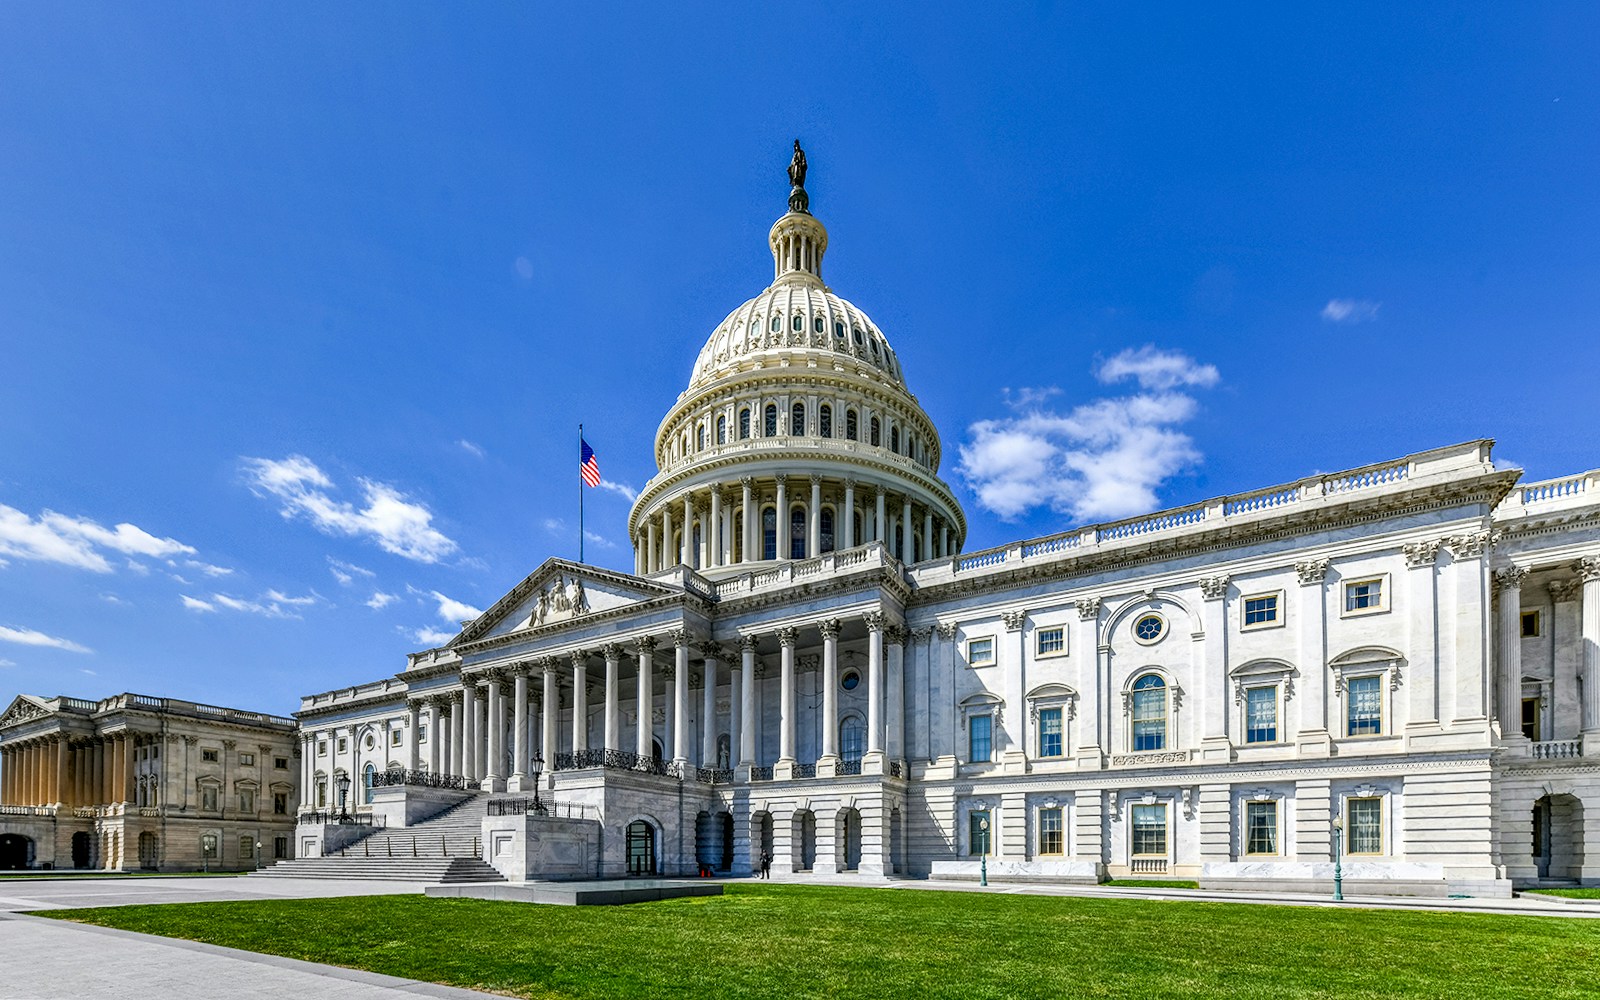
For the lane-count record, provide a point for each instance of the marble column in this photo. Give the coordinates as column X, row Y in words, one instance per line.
column 830, row 696
column 519, row 731
column 747, row 701
column 735, row 709
column 714, row 529
column 652, row 553
column 646, row 689
column 469, row 712
column 432, row 717
column 814, row 520
column 781, row 542
column 687, row 553
column 879, row 515
column 494, row 779
column 414, row 724
column 1589, row 572
column 907, row 539
column 680, row 697
column 927, row 534
column 613, row 733
column 752, row 548
column 667, row 553
column 708, row 705
column 847, row 530
column 549, row 705
column 457, row 744
column 786, row 705
column 1508, row 582
column 944, row 539
column 876, row 622
column 580, row 702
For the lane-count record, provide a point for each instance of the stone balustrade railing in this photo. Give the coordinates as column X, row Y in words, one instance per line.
column 1557, row 749
column 1553, row 494
column 782, row 575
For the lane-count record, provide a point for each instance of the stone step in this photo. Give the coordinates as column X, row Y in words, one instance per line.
column 441, row 870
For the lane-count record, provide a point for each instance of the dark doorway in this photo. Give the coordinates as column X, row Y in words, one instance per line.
column 14, row 851
column 80, row 850
column 727, row 842
column 641, row 848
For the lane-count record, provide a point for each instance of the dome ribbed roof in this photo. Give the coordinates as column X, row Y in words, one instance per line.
column 828, row 325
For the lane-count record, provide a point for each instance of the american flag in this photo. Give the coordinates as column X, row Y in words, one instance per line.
column 588, row 468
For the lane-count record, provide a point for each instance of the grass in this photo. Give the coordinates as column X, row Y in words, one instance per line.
column 1589, row 892
column 1152, row 883
column 775, row 941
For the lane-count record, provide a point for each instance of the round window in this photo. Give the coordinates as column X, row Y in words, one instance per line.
column 1149, row 628
column 850, row 681
column 370, row 741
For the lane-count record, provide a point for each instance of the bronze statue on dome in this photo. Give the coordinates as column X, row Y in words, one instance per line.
column 798, row 201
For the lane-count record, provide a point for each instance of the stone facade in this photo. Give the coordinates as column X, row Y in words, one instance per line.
column 140, row 783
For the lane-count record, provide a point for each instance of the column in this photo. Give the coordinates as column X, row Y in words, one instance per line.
column 735, row 710
column 680, row 697
column 5, row 776
column 944, row 538
column 519, row 730
column 708, row 706
column 646, row 689
column 494, row 779
column 1471, row 627
column 714, row 529
column 580, row 702
column 414, row 722
column 907, row 542
column 896, row 676
column 781, row 546
column 786, row 720
column 1508, row 582
column 687, row 553
column 667, row 554
column 549, row 706
column 128, row 762
column 814, row 520
column 1422, row 679
column 434, row 735
column 747, row 701
column 879, row 515
column 876, row 621
column 98, row 773
column 469, row 735
column 830, row 697
column 927, row 534
column 1312, row 695
column 652, row 557
column 752, row 548
column 848, row 528
column 613, row 734
column 458, row 738
column 1589, row 571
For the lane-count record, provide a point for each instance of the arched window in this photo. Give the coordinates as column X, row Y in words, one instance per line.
column 700, row 438
column 722, row 429
column 852, row 738
column 797, row 533
column 770, row 421
column 744, row 423
column 875, row 432
column 827, row 529
column 738, row 536
column 825, row 421
column 694, row 547
column 894, row 440
column 856, row 523
column 369, row 776
column 769, row 533
column 799, row 323
column 1149, row 713
column 838, row 330
column 797, row 419
column 850, row 428
column 817, row 324
column 777, row 323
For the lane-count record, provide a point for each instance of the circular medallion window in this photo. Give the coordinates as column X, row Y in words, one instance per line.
column 850, row 681
column 369, row 742
column 1149, row 628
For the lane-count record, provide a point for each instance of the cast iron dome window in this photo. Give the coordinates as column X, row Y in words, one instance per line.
column 818, row 325
column 838, row 331
column 744, row 423
column 797, row 419
column 770, row 421
column 722, row 429
column 894, row 440
column 825, row 421
column 851, row 429
column 799, row 323
column 874, row 429
column 777, row 323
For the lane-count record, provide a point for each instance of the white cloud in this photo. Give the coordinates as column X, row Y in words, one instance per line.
column 7, row 663
column 31, row 637
column 111, row 598
column 380, row 600
column 428, row 636
column 272, row 604
column 346, row 573
column 1103, row 459
column 279, row 597
column 454, row 611
column 1350, row 310
column 86, row 670
column 387, row 515
column 208, row 569
column 623, row 490
column 181, row 579
column 196, row 604
column 475, row 450
column 78, row 541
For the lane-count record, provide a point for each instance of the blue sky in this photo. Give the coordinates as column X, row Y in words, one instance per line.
column 299, row 310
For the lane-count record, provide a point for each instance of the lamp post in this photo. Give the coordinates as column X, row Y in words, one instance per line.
column 538, row 770
column 983, row 859
column 258, row 855
column 343, row 785
column 1338, row 852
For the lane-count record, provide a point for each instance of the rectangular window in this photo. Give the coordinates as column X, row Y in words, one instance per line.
column 344, row 744
column 1150, row 831
column 1530, row 624
column 422, row 734
column 247, row 801
column 1260, row 610
column 1049, row 732
column 396, row 737
column 1530, row 718
column 208, row 798
column 281, row 763
column 280, row 847
column 1261, row 715
column 1261, row 828
column 1365, row 695
column 1365, row 825
column 322, row 748
column 979, row 833
column 322, row 793
column 247, row 759
column 1150, row 718
column 280, row 803
column 209, row 756
column 1050, row 839
column 1364, row 595
column 980, row 732
column 980, row 652
column 1052, row 641
column 247, row 848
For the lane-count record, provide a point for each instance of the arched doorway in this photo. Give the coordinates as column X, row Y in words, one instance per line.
column 850, row 838
column 641, row 848
column 80, row 850
column 727, row 842
column 707, row 841
column 656, row 750
column 149, row 851
column 1558, row 837
column 16, row 851
column 760, row 838
column 897, row 842
column 805, row 840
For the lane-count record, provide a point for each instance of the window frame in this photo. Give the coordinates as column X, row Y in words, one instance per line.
column 1536, row 618
column 1248, row 834
column 993, row 651
column 1278, row 616
column 1060, row 713
column 1349, row 825
column 987, row 718
column 1039, row 652
column 1385, row 591
column 397, row 737
column 1140, row 618
column 1277, row 714
column 1042, row 846
column 1133, row 830
column 1137, row 688
column 1377, row 678
column 974, row 835
column 210, row 755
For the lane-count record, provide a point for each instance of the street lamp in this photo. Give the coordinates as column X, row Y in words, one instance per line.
column 538, row 770
column 342, row 783
column 983, row 859
column 258, row 855
column 1338, row 852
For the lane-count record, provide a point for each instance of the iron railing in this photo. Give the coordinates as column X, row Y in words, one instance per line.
column 761, row 773
column 714, row 775
column 805, row 770
column 517, row 807
column 618, row 760
column 849, row 767
column 330, row 818
column 894, row 769
column 422, row 779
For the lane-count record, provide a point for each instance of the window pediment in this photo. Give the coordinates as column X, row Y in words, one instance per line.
column 1367, row 660
column 1261, row 672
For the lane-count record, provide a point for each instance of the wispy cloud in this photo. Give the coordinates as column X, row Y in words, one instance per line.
column 475, row 450
column 6, row 663
column 346, row 573
column 427, row 636
column 33, row 637
column 111, row 598
column 1102, row 459
column 1350, row 310
column 272, row 604
column 77, row 541
column 620, row 489
column 380, row 600
column 207, row 568
column 386, row 515
column 196, row 604
column 559, row 528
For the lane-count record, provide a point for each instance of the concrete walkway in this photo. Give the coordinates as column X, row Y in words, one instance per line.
column 19, row 894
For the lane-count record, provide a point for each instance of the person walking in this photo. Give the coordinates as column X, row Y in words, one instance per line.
column 766, row 864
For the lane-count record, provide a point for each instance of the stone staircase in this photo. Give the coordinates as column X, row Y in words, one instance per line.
column 446, row 848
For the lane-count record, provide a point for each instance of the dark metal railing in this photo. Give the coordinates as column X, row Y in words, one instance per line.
column 894, row 769
column 847, row 767
column 517, row 807
column 330, row 818
column 761, row 773
column 618, row 760
column 714, row 775
column 805, row 770
column 423, row 779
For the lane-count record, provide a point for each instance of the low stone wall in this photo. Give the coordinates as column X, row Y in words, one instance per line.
column 1070, row 872
column 407, row 805
column 524, row 847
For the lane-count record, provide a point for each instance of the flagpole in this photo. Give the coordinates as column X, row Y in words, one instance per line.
column 580, row 495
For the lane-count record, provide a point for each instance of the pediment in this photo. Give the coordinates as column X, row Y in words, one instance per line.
column 558, row 592
column 23, row 708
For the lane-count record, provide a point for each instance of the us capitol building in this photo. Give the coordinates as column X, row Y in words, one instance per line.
column 1396, row 662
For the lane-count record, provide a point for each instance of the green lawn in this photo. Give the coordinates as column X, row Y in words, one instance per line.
column 1590, row 892
column 800, row 941
column 1152, row 883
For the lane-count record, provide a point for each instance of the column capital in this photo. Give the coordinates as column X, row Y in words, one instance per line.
column 1214, row 588
column 682, row 637
column 876, row 620
column 786, row 636
column 713, row 651
column 947, row 630
column 1562, row 590
column 781, row 479
column 648, row 644
column 748, row 643
column 1588, row 568
column 851, row 484
column 1470, row 546
column 1509, row 578
column 1088, row 608
column 1311, row 571
column 816, row 479
column 1420, row 554
column 612, row 651
column 545, row 665
column 1013, row 619
column 579, row 657
column 747, row 481
column 416, row 704
column 829, row 627
column 896, row 635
